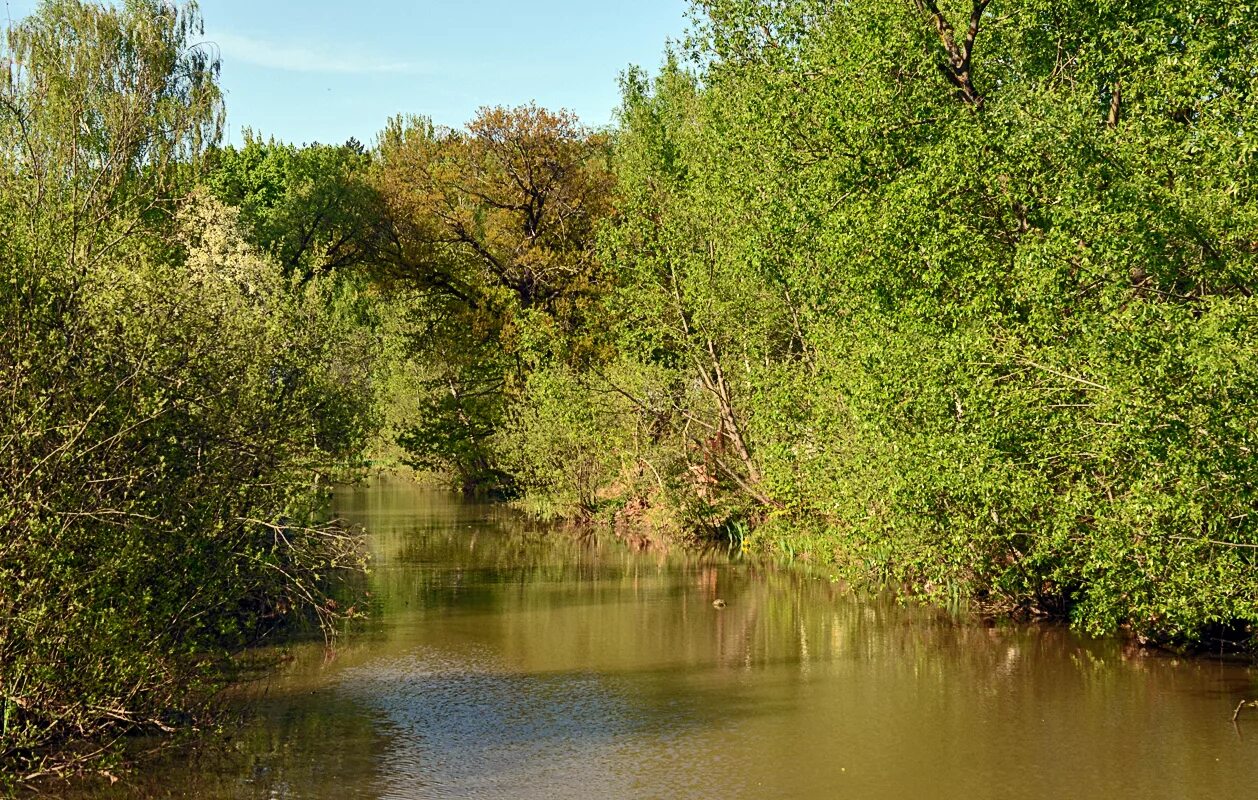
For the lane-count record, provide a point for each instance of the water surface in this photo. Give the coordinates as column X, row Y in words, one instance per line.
column 508, row 662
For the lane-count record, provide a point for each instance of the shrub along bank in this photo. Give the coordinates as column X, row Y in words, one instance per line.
column 956, row 295
column 169, row 395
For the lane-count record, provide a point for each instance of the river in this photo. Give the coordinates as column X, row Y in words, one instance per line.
column 508, row 662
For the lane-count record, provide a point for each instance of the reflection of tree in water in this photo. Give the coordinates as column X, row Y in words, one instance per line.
column 300, row 744
column 509, row 659
column 480, row 559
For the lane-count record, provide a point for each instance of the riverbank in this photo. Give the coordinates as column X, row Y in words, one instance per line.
column 652, row 520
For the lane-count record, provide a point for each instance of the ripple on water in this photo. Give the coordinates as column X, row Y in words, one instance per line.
column 468, row 726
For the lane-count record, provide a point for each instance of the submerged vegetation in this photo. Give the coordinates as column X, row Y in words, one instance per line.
column 955, row 296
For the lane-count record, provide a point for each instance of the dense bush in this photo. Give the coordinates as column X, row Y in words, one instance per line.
column 983, row 302
column 168, row 395
column 956, row 296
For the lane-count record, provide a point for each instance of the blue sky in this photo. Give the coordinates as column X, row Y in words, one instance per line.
column 326, row 70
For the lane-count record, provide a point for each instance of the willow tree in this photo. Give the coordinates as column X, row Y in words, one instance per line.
column 103, row 111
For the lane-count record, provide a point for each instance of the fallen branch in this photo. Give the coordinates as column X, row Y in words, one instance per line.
column 1242, row 704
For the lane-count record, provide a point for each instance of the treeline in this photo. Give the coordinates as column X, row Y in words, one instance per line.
column 955, row 297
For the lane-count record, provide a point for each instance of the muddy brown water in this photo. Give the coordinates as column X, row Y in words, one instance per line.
column 507, row 662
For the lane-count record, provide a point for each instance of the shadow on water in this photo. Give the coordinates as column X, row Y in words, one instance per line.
column 508, row 661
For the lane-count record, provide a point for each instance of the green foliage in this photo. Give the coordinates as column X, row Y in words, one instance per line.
column 460, row 398
column 169, row 395
column 957, row 296
column 567, row 441
column 312, row 208
column 986, row 326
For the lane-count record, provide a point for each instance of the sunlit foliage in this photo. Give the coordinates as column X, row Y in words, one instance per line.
column 169, row 394
column 494, row 226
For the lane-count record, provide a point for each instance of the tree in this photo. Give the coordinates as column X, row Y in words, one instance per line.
column 312, row 208
column 501, row 216
column 701, row 294
column 494, row 225
column 975, row 277
column 101, row 112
